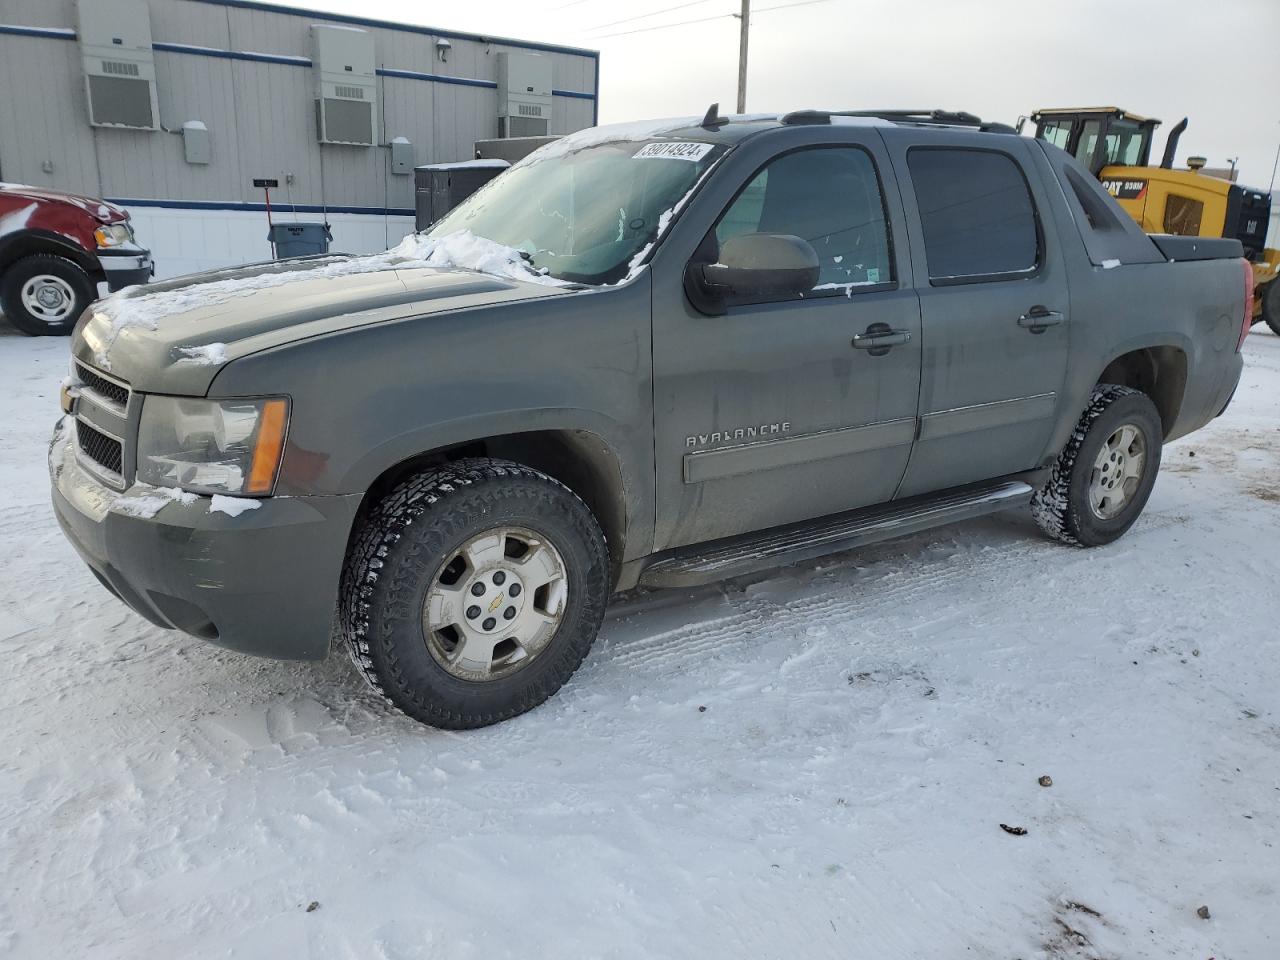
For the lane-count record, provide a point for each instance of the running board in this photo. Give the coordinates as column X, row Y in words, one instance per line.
column 780, row 546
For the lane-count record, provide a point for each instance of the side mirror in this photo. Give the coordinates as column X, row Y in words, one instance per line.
column 764, row 266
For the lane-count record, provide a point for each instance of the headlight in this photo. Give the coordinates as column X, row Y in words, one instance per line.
column 212, row 446
column 113, row 234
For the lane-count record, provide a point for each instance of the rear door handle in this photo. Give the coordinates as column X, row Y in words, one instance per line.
column 1038, row 318
column 879, row 338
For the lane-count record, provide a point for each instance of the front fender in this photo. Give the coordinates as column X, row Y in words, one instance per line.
column 372, row 397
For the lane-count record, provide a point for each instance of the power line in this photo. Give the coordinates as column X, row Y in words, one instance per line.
column 784, row 6
column 721, row 16
column 678, row 6
column 665, row 26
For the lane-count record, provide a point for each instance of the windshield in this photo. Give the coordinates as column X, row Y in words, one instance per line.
column 584, row 215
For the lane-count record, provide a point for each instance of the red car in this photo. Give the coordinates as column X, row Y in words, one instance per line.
column 58, row 253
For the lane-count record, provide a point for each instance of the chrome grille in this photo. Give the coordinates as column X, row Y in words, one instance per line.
column 107, row 452
column 113, row 390
column 102, row 413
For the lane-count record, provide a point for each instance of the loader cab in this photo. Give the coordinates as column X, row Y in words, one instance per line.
column 1098, row 136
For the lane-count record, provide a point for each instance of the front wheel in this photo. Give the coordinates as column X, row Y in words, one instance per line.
column 1102, row 479
column 473, row 591
column 44, row 295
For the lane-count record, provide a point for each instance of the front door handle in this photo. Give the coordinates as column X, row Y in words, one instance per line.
column 879, row 338
column 1038, row 319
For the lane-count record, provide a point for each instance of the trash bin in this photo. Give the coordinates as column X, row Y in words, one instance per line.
column 299, row 239
column 442, row 186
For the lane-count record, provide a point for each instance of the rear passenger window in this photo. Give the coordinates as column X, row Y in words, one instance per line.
column 828, row 196
column 979, row 222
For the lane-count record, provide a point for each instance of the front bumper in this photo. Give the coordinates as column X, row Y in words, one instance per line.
column 125, row 266
column 264, row 582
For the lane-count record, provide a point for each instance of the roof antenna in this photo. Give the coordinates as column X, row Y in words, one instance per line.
column 713, row 119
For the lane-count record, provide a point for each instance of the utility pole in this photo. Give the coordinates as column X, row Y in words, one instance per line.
column 744, row 30
column 1271, row 189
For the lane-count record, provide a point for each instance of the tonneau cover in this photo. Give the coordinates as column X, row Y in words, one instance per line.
column 1198, row 248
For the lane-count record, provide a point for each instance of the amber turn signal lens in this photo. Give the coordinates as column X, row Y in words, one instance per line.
column 269, row 446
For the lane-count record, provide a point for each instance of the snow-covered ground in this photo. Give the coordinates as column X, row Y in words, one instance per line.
column 814, row 763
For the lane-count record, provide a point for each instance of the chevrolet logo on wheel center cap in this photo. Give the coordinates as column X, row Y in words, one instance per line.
column 497, row 602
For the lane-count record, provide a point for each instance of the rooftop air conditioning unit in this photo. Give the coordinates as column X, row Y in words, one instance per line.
column 346, row 85
column 524, row 95
column 119, row 67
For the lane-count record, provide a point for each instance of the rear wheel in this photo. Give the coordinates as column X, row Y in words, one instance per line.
column 473, row 592
column 1102, row 479
column 1271, row 305
column 44, row 295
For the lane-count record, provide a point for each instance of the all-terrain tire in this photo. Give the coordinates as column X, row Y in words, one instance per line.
column 73, row 283
column 1062, row 506
column 1271, row 305
column 394, row 559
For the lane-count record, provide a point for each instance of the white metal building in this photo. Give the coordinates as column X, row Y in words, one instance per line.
column 172, row 108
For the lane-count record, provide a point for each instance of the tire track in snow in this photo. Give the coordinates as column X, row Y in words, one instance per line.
column 878, row 592
column 708, row 638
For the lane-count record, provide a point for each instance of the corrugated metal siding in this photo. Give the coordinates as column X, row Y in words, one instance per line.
column 44, row 117
column 260, row 116
column 195, row 23
column 39, row 13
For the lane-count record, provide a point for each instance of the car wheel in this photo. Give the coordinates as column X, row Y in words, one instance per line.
column 1271, row 305
column 44, row 295
column 472, row 592
column 1101, row 481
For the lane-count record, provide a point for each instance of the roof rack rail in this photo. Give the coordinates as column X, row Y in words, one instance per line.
column 950, row 118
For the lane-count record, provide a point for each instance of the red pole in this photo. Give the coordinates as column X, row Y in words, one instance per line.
column 267, row 191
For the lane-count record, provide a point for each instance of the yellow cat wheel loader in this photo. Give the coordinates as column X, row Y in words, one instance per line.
column 1116, row 146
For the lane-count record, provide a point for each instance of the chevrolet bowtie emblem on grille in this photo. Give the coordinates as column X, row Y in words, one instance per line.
column 497, row 602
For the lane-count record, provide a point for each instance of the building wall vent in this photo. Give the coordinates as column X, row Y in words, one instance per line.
column 346, row 85
column 524, row 95
column 119, row 66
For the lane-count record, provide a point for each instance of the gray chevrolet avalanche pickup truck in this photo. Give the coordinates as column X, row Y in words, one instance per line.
column 657, row 354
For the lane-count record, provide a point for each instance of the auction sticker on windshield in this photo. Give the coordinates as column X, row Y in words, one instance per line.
column 674, row 151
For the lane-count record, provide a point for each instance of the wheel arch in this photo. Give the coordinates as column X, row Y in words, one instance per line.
column 581, row 460
column 26, row 243
column 1159, row 371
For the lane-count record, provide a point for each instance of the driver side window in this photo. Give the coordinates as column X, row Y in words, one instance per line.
column 829, row 197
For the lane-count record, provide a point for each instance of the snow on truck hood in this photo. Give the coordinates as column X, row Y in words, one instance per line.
column 174, row 336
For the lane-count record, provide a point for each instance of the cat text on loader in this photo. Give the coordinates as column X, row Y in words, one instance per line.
column 1116, row 146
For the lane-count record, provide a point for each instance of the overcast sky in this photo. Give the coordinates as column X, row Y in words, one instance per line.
column 1214, row 61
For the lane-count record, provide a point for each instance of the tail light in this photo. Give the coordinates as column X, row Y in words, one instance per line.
column 1247, row 325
